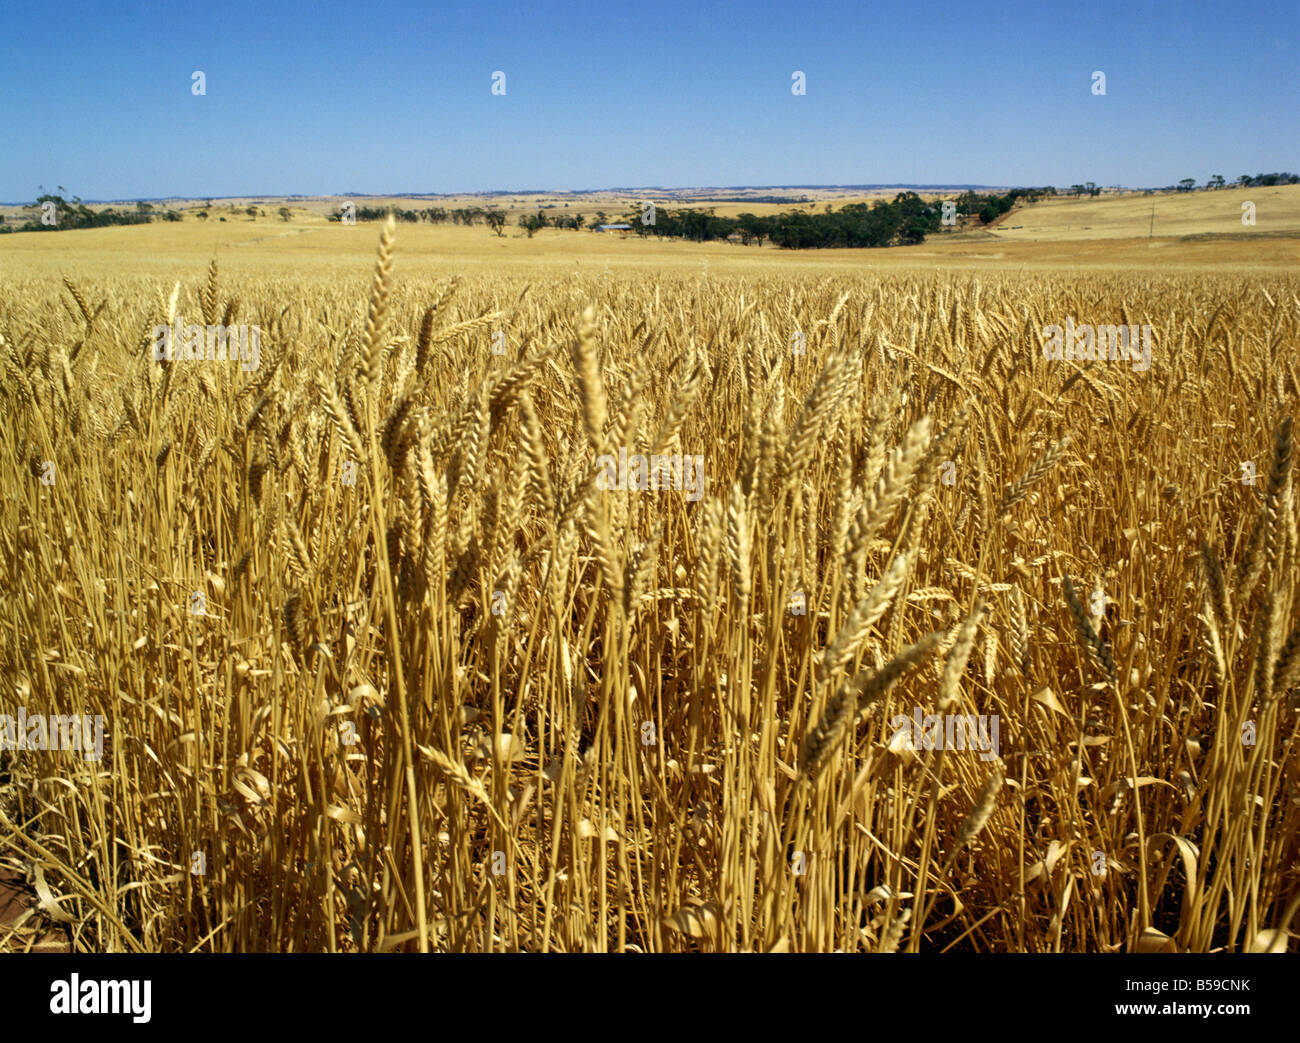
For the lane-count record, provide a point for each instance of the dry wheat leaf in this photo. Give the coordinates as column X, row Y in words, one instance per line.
column 505, row 748
column 695, row 921
column 1153, row 940
column 1046, row 697
column 1044, row 866
column 1128, row 783
column 49, row 904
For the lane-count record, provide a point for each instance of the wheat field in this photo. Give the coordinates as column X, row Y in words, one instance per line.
column 385, row 665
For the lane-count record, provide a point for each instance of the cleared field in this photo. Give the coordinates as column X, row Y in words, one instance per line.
column 1277, row 211
column 378, row 649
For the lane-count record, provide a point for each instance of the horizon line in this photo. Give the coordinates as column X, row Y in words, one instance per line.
column 913, row 186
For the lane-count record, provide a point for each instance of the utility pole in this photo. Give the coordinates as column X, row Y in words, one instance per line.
column 1151, row 230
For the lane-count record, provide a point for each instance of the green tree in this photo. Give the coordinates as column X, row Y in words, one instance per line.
column 284, row 213
column 752, row 229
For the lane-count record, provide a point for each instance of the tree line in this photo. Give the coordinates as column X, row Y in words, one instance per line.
column 905, row 220
column 434, row 215
column 54, row 213
column 494, row 218
column 1188, row 184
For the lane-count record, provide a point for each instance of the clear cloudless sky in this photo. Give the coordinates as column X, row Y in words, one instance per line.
column 394, row 96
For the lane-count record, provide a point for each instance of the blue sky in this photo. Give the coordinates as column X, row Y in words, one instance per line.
column 332, row 97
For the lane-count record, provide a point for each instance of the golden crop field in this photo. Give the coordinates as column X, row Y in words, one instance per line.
column 580, row 595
